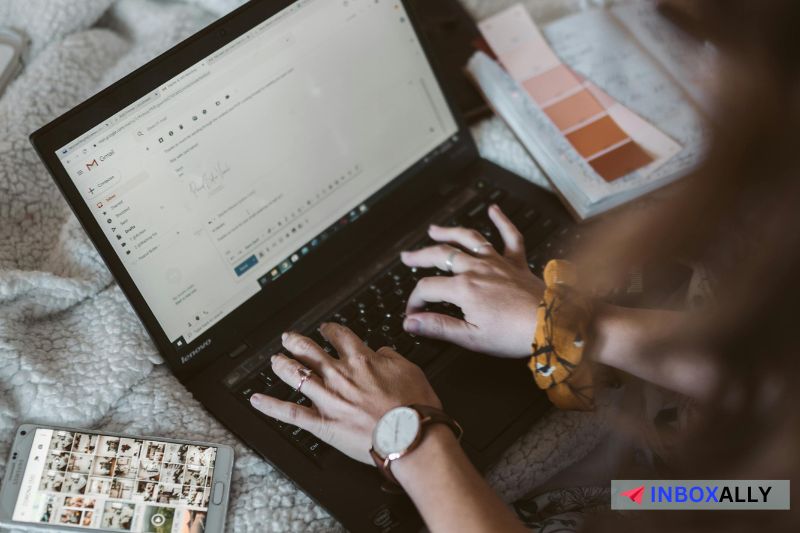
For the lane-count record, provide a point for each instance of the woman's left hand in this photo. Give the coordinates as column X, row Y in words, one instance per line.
column 349, row 394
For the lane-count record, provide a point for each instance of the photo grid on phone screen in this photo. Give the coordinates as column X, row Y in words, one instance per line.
column 125, row 484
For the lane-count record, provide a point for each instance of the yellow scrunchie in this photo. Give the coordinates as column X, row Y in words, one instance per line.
column 563, row 320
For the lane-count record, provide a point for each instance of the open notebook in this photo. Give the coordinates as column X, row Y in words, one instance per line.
column 643, row 74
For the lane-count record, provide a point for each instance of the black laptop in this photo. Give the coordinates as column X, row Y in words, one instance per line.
column 263, row 176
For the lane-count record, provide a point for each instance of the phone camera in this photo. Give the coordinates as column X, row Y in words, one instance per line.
column 23, row 432
column 14, row 455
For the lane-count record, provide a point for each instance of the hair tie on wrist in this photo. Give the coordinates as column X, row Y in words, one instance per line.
column 563, row 320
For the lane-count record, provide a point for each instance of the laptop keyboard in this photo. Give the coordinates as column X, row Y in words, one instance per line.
column 376, row 313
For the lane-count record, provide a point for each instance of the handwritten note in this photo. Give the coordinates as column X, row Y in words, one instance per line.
column 691, row 65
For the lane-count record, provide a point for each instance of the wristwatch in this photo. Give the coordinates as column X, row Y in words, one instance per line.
column 400, row 431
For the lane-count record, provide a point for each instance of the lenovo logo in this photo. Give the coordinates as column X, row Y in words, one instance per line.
column 191, row 355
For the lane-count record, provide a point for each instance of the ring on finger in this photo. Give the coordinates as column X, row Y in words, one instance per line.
column 477, row 249
column 305, row 374
column 449, row 261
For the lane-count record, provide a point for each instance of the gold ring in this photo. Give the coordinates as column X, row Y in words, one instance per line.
column 305, row 373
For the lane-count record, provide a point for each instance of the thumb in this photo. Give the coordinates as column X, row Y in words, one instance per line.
column 440, row 327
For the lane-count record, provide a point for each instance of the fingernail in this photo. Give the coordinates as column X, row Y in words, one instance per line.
column 412, row 325
column 284, row 336
column 495, row 207
column 255, row 400
column 273, row 359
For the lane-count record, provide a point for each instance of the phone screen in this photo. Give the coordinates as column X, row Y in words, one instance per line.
column 95, row 481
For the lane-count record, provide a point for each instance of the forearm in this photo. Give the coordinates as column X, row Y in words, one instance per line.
column 448, row 491
column 622, row 340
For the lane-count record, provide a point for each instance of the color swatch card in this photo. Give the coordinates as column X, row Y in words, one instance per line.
column 605, row 133
column 596, row 152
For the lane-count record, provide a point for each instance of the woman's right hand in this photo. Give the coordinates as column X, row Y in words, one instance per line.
column 497, row 294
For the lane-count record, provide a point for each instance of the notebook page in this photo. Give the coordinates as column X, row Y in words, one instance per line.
column 596, row 46
column 691, row 65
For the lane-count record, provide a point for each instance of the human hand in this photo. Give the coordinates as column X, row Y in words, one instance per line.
column 349, row 394
column 497, row 294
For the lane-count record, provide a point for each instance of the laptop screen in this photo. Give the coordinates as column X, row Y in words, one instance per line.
column 217, row 183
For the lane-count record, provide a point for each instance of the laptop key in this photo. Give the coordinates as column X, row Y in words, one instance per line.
column 388, row 331
column 276, row 388
column 247, row 391
column 496, row 195
column 525, row 218
column 313, row 447
column 358, row 329
column 299, row 398
column 399, row 273
column 424, row 354
column 316, row 336
column 535, row 234
column 476, row 208
column 510, row 206
column 349, row 311
column 404, row 344
column 343, row 320
column 295, row 433
column 330, row 350
column 377, row 340
column 365, row 300
column 382, row 286
column 391, row 301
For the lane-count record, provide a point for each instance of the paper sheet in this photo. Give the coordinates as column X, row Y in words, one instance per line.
column 691, row 65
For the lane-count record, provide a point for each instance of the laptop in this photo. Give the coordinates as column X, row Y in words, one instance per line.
column 263, row 176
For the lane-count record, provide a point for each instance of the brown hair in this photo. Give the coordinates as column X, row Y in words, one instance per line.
column 740, row 212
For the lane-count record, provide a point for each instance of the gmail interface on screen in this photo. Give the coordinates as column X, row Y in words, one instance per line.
column 230, row 172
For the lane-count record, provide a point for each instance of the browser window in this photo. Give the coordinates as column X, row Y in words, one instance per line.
column 222, row 179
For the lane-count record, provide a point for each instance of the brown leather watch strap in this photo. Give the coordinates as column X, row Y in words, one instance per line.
column 431, row 415
column 428, row 415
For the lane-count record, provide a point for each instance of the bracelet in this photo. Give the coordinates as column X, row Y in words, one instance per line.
column 563, row 320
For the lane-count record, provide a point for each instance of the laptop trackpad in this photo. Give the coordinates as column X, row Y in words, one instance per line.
column 485, row 394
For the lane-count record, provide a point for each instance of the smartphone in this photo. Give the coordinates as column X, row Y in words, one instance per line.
column 12, row 48
column 59, row 479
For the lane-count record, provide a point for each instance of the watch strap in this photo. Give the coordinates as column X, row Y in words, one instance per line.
column 431, row 415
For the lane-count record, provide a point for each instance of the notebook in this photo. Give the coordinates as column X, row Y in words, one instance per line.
column 610, row 103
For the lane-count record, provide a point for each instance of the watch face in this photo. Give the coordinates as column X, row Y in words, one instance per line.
column 396, row 431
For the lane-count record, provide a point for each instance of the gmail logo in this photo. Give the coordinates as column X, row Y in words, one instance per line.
column 92, row 164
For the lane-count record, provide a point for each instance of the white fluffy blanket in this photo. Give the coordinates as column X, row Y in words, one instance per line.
column 71, row 350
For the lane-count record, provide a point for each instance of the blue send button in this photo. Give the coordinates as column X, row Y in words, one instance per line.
column 247, row 265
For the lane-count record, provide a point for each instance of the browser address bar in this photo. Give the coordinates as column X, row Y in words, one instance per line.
column 248, row 37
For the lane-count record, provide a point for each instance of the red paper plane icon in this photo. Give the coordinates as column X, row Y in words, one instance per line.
column 634, row 494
